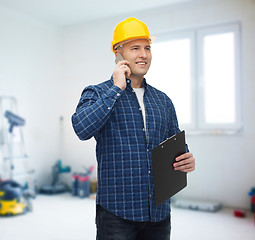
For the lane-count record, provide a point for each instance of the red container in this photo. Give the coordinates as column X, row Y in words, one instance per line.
column 239, row 213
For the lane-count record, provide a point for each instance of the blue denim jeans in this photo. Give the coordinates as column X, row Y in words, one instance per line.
column 111, row 227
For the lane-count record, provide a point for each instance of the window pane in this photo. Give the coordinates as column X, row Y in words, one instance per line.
column 170, row 72
column 219, row 78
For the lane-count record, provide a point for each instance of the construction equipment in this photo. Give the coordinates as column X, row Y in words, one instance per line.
column 56, row 186
column 14, row 199
column 14, row 162
column 14, row 121
column 81, row 183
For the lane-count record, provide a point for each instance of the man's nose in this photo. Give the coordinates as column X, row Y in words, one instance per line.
column 143, row 53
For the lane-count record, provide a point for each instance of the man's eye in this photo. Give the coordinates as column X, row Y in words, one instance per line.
column 134, row 48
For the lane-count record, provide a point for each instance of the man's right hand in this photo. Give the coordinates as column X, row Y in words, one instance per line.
column 120, row 73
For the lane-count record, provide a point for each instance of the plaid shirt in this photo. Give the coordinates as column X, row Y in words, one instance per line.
column 114, row 118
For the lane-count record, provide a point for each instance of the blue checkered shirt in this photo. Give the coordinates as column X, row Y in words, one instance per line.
column 114, row 118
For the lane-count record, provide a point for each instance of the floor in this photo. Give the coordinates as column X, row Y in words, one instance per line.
column 63, row 217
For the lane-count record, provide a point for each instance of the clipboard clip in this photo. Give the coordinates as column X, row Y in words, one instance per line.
column 162, row 143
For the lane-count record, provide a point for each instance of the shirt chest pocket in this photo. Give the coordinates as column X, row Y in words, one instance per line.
column 158, row 118
column 125, row 118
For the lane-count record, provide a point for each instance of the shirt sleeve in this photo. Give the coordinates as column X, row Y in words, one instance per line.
column 94, row 110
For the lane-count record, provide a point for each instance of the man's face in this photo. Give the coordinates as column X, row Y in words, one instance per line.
column 138, row 53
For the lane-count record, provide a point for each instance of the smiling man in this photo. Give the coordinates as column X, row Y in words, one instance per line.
column 128, row 118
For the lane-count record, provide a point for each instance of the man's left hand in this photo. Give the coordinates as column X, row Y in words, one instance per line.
column 185, row 162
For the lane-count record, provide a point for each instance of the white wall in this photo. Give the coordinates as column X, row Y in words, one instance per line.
column 30, row 61
column 225, row 165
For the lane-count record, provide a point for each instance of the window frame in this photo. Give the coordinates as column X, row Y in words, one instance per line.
column 196, row 36
column 201, row 33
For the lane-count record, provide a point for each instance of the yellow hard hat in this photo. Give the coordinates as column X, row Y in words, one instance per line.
column 129, row 29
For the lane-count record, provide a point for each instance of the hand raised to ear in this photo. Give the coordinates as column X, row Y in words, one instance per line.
column 120, row 73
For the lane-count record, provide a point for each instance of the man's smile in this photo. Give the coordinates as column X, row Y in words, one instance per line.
column 141, row 63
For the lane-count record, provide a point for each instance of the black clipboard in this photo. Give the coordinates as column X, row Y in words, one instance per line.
column 167, row 181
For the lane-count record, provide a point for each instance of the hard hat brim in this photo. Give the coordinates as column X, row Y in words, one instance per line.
column 151, row 39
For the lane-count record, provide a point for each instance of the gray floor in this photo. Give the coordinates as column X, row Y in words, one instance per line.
column 63, row 217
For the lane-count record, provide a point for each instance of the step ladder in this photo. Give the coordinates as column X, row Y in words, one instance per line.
column 14, row 161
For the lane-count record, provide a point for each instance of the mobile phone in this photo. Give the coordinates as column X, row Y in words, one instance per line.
column 118, row 58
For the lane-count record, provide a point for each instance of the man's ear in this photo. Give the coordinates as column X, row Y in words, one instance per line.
column 116, row 52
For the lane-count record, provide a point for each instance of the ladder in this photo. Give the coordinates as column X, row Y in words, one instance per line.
column 14, row 162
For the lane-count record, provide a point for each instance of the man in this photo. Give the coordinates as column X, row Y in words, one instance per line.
column 128, row 118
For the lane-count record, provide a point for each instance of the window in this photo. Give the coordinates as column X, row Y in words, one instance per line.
column 200, row 71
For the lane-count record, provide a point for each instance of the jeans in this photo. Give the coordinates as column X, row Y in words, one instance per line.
column 111, row 227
